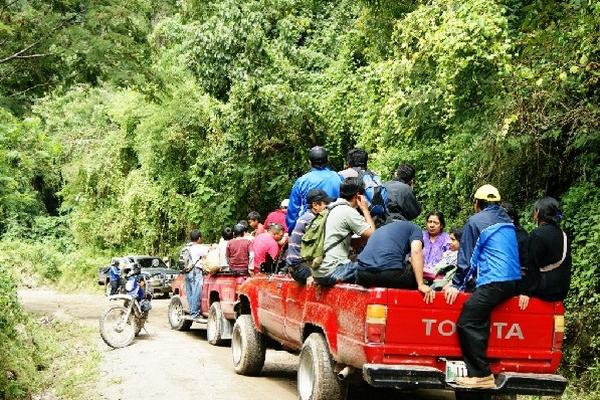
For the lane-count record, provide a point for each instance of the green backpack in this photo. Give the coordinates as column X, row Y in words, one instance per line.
column 313, row 241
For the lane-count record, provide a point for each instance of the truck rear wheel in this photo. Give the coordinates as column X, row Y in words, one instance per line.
column 214, row 326
column 247, row 347
column 316, row 375
column 176, row 315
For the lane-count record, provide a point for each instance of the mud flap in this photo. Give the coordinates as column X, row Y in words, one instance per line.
column 226, row 328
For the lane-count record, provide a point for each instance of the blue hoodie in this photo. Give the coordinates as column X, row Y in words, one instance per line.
column 317, row 178
column 114, row 272
column 489, row 247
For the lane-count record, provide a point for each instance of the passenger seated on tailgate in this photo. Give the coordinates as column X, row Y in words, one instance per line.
column 383, row 261
column 317, row 200
column 343, row 221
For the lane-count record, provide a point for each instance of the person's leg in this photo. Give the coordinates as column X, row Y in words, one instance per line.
column 405, row 279
column 199, row 285
column 325, row 281
column 473, row 326
column 191, row 292
column 114, row 287
column 300, row 273
column 391, row 278
column 345, row 272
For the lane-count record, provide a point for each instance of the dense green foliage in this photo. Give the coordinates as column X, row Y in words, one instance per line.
column 37, row 351
column 145, row 120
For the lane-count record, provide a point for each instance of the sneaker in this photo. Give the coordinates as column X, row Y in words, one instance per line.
column 486, row 382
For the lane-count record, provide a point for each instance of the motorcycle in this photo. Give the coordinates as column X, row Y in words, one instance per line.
column 121, row 323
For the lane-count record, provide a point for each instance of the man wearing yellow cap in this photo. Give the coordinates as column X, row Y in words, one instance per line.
column 488, row 255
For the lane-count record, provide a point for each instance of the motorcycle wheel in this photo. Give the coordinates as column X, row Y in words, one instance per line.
column 114, row 331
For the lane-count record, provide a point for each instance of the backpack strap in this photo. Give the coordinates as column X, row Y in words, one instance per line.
column 189, row 249
column 555, row 265
column 325, row 233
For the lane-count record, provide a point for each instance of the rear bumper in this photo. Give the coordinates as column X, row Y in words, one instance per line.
column 406, row 377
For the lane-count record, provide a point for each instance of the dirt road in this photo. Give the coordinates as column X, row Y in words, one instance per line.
column 177, row 365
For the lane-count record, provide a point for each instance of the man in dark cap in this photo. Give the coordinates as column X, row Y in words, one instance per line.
column 319, row 177
column 317, row 200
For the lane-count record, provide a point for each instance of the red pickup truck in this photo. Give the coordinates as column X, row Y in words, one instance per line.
column 219, row 294
column 390, row 338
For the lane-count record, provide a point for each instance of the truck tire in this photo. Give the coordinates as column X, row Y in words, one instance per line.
column 316, row 375
column 247, row 347
column 214, row 326
column 176, row 315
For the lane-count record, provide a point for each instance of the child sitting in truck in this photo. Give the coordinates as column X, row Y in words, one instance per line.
column 446, row 268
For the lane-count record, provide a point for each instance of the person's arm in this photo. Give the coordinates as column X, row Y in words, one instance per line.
column 294, row 206
column 411, row 205
column 531, row 281
column 465, row 252
column 274, row 251
column 463, row 262
column 416, row 257
column 364, row 207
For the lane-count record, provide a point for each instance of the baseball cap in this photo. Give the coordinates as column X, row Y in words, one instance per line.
column 487, row 193
column 284, row 203
column 316, row 195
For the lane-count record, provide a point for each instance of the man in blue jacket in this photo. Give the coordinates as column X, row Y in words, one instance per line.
column 319, row 177
column 490, row 255
column 114, row 275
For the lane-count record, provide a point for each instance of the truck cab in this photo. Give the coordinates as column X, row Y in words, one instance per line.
column 391, row 338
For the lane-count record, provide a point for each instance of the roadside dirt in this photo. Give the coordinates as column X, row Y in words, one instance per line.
column 163, row 363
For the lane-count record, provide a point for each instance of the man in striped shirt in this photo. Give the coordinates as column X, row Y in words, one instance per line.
column 317, row 199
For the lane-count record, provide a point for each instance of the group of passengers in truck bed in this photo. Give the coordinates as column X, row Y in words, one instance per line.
column 360, row 232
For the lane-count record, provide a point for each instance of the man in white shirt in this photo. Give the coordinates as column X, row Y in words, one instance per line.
column 194, row 278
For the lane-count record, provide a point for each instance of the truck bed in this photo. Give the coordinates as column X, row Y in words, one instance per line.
column 415, row 333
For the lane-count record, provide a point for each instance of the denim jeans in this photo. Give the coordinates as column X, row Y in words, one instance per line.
column 343, row 273
column 114, row 287
column 300, row 272
column 193, row 291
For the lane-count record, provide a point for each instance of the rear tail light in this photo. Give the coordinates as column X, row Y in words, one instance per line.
column 375, row 324
column 559, row 332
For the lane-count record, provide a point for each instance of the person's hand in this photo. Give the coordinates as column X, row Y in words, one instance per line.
column 428, row 292
column 362, row 203
column 450, row 294
column 310, row 281
column 523, row 301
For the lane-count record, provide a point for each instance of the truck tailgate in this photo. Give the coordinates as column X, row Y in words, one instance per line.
column 418, row 330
